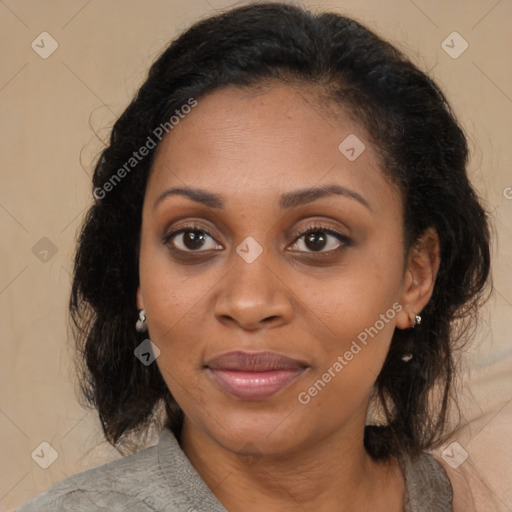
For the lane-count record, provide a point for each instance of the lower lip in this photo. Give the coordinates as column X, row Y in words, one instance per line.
column 254, row 385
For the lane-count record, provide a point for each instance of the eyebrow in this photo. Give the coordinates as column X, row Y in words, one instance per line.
column 286, row 201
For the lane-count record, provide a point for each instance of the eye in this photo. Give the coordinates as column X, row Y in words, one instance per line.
column 191, row 239
column 316, row 239
column 320, row 240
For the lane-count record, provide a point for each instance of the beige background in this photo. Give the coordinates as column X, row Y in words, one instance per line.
column 54, row 113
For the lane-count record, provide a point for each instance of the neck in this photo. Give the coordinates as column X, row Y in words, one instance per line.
column 333, row 474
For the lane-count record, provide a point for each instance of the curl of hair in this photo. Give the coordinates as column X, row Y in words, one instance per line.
column 422, row 149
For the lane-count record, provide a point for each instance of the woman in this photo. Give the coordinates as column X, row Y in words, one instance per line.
column 281, row 258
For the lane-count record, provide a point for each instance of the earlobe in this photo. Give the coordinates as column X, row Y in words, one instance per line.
column 403, row 319
column 420, row 277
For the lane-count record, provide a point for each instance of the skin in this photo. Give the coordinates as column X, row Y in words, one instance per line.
column 250, row 146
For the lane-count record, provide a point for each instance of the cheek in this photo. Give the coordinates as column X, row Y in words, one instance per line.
column 351, row 360
column 171, row 301
column 366, row 286
column 358, row 307
column 172, row 295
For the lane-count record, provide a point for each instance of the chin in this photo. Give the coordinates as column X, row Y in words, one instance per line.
column 265, row 432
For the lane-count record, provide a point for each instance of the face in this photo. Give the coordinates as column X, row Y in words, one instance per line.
column 273, row 275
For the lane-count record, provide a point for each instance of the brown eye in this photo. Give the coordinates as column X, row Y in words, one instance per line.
column 320, row 240
column 315, row 241
column 192, row 240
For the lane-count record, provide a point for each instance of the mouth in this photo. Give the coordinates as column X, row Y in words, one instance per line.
column 254, row 375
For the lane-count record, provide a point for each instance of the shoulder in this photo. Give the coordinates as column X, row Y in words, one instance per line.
column 427, row 486
column 471, row 491
column 157, row 479
column 123, row 484
column 435, row 481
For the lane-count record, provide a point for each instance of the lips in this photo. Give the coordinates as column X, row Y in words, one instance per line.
column 254, row 375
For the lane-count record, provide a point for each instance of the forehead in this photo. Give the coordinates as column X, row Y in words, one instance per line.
column 258, row 140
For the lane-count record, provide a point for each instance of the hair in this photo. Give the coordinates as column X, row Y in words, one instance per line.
column 423, row 151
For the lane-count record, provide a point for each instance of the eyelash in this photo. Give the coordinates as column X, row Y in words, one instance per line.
column 345, row 242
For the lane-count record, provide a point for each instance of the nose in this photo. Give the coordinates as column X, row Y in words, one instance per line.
column 254, row 295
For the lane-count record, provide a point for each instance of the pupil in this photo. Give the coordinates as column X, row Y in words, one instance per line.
column 193, row 239
column 313, row 239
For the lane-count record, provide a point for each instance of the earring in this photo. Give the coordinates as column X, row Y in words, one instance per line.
column 141, row 325
column 415, row 320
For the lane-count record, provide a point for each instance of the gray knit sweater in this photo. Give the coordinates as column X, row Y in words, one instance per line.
column 162, row 479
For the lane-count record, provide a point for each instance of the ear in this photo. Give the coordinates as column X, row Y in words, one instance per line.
column 140, row 302
column 420, row 276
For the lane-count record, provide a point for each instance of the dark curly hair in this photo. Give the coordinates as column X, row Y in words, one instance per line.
column 422, row 150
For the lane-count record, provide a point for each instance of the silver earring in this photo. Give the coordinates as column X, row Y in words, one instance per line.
column 415, row 321
column 141, row 325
